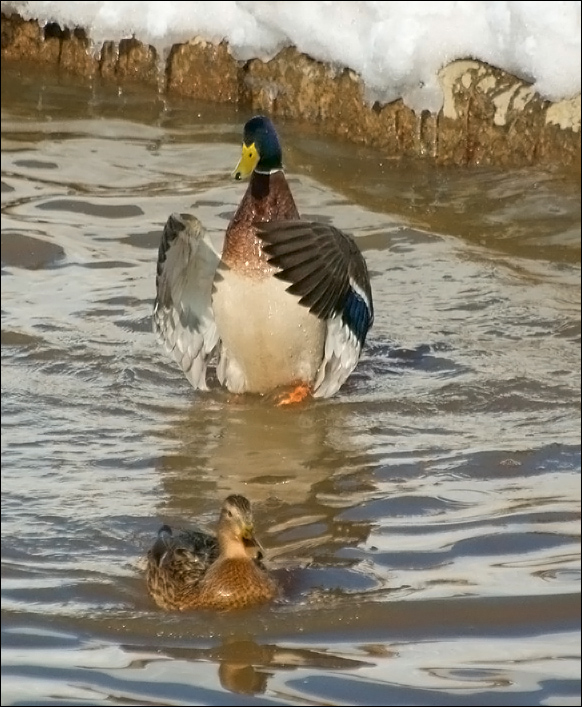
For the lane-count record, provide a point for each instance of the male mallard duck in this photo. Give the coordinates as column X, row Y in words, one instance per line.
column 289, row 302
column 194, row 570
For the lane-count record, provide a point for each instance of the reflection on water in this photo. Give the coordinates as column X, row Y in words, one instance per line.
column 425, row 522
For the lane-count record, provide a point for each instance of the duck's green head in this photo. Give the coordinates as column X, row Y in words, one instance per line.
column 261, row 150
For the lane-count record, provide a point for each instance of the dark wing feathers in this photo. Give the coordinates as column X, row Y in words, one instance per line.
column 357, row 315
column 297, row 245
column 325, row 269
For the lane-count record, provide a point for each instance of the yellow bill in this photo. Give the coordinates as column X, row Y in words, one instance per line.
column 247, row 163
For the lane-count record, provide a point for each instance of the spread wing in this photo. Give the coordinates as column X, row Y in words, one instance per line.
column 183, row 319
column 328, row 273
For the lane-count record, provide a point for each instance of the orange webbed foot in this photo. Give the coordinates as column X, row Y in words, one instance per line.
column 297, row 395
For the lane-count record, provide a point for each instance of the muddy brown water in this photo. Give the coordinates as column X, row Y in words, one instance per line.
column 425, row 521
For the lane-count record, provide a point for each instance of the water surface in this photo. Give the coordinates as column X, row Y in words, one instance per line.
column 425, row 521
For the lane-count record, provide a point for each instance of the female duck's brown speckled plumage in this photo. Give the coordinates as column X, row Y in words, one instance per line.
column 287, row 304
column 195, row 570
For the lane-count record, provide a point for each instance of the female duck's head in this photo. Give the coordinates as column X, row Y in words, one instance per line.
column 261, row 150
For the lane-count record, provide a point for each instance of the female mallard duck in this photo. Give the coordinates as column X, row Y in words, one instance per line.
column 194, row 570
column 289, row 302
